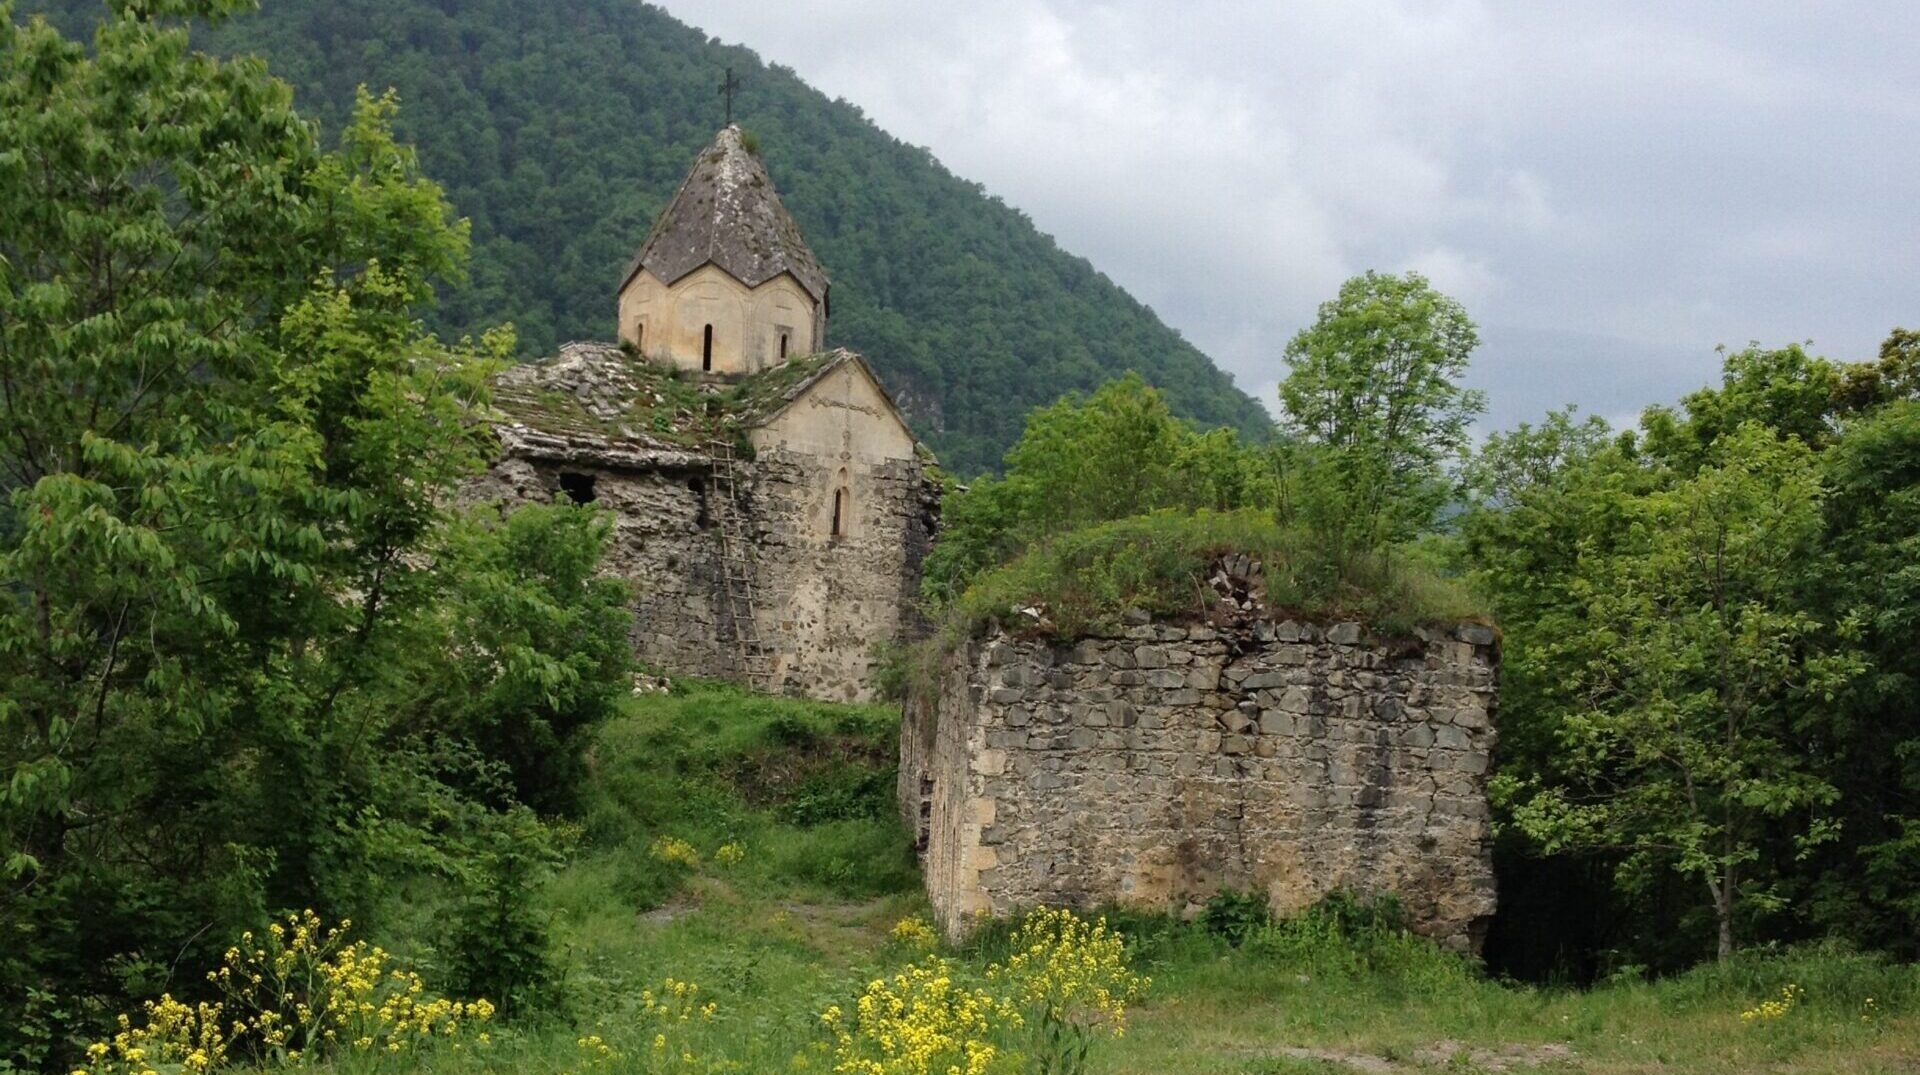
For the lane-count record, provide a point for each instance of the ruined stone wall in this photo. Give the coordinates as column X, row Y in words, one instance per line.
column 663, row 543
column 1157, row 768
column 822, row 603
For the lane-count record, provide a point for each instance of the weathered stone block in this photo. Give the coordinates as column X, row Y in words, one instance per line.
column 1476, row 634
column 1448, row 737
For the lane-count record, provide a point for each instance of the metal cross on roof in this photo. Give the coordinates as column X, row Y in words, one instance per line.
column 727, row 86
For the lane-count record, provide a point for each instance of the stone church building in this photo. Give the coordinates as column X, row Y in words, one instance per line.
column 771, row 506
column 772, row 511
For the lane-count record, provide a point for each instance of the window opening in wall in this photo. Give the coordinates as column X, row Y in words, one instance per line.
column 926, row 812
column 839, row 509
column 700, row 518
column 577, row 486
column 783, row 345
column 640, row 337
column 706, row 350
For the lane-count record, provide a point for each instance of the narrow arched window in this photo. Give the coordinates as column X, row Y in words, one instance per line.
column 706, row 350
column 842, row 506
column 783, row 345
column 640, row 337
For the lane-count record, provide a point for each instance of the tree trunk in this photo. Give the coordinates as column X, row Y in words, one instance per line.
column 1723, row 914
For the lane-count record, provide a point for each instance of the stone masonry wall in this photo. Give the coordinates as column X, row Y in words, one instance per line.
column 827, row 601
column 822, row 604
column 1157, row 768
column 663, row 543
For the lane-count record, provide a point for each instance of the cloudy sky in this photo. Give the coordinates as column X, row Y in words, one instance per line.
column 1612, row 189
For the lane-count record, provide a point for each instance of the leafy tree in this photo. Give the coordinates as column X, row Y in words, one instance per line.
column 533, row 641
column 1784, row 389
column 1558, row 503
column 1869, row 886
column 1515, row 463
column 227, row 450
column 1700, row 668
column 1896, row 376
column 1373, row 396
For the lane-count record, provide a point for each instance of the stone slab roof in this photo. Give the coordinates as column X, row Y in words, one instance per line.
column 727, row 213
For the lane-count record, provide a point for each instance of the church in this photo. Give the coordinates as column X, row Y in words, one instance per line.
column 771, row 506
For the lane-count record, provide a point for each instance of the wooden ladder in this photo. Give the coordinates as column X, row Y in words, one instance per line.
column 752, row 661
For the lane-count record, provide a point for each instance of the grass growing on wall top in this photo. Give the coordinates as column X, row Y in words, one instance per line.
column 1084, row 579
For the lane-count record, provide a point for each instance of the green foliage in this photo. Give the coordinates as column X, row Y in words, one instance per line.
column 561, row 129
column 807, row 787
column 1869, row 575
column 1345, row 936
column 1697, row 665
column 844, row 794
column 1083, row 580
column 1084, row 460
column 499, row 947
column 1236, row 915
column 249, row 658
column 1706, row 674
column 1373, row 396
column 533, row 643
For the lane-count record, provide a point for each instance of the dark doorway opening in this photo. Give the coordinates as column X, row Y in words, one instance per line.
column 783, row 345
column 577, row 486
column 706, row 350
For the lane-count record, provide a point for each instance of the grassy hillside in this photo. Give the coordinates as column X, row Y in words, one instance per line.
column 738, row 872
column 806, row 916
column 562, row 127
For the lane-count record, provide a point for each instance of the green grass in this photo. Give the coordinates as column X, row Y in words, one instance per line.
column 1085, row 579
column 803, row 920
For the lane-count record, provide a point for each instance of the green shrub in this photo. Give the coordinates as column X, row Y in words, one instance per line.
column 852, row 859
column 1236, row 915
column 499, row 946
column 841, row 794
column 1350, row 937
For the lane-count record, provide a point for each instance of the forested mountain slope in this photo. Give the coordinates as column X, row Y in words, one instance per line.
column 561, row 127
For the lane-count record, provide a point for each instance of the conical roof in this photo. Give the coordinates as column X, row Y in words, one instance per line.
column 726, row 212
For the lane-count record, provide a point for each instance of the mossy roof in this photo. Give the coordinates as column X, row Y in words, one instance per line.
column 602, row 393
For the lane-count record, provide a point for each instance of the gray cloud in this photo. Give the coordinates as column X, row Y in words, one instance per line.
column 1611, row 189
